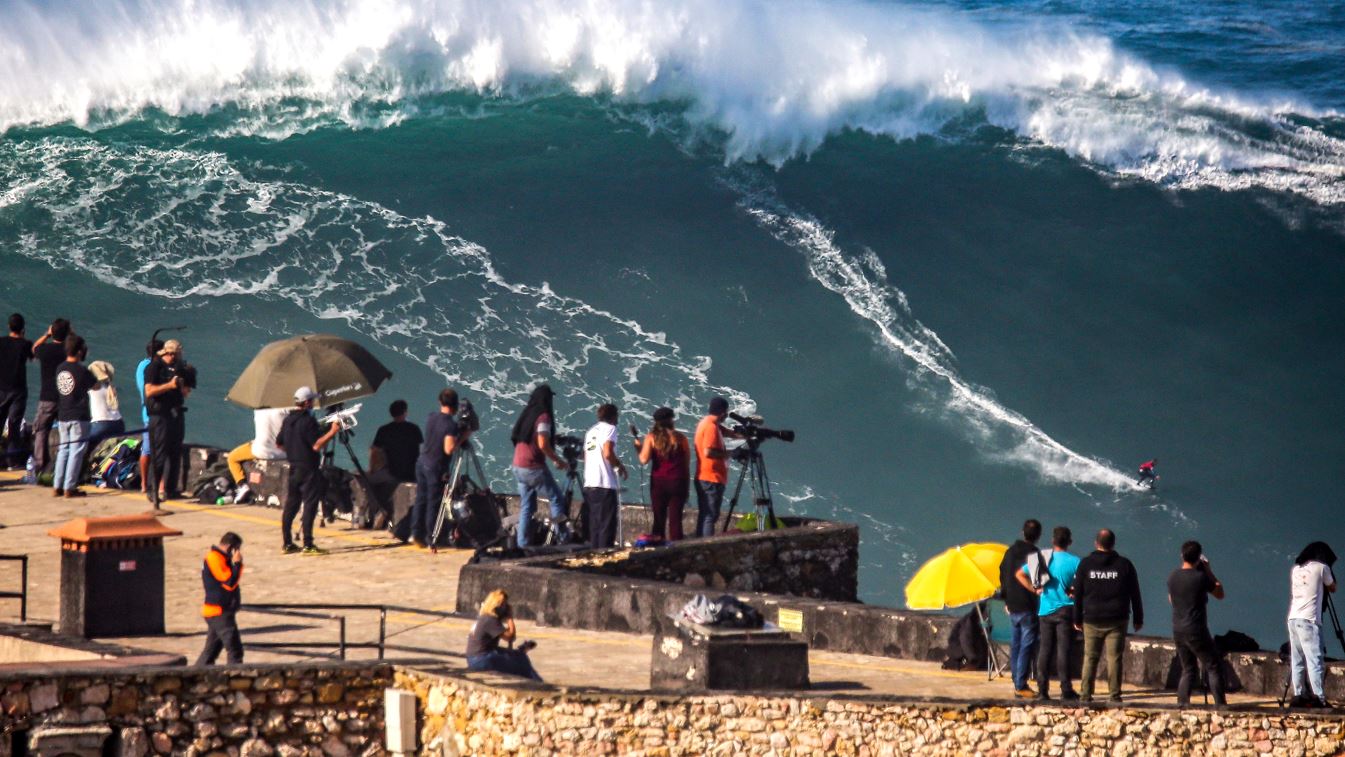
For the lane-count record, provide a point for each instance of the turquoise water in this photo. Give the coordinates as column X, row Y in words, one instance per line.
column 983, row 257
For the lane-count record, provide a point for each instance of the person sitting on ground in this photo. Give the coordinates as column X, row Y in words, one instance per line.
column 1189, row 589
column 392, row 456
column 1309, row 582
column 1048, row 574
column 1106, row 591
column 266, row 425
column 669, row 454
column 1147, row 474
column 495, row 624
column 104, row 406
column 73, row 382
column 15, row 354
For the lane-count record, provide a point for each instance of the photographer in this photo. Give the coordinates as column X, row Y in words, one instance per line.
column 168, row 384
column 601, row 466
column 441, row 439
column 1189, row 588
column 299, row 438
column 495, row 623
column 712, row 466
column 221, row 573
column 1309, row 582
column 534, row 438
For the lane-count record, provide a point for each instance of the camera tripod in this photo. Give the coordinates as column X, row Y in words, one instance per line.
column 754, row 469
column 463, row 464
column 329, row 462
column 561, row 532
column 1330, row 612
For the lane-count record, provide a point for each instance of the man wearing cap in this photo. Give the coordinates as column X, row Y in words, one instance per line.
column 712, row 466
column 166, row 390
column 302, row 440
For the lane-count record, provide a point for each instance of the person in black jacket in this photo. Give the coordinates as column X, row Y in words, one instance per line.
column 1106, row 592
column 302, row 440
column 1021, row 605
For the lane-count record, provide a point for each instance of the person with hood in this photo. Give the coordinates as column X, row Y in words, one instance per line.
column 1106, row 592
column 1309, row 582
column 1022, row 605
column 534, row 437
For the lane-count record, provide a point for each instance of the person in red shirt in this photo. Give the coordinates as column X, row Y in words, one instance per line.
column 221, row 573
column 1147, row 475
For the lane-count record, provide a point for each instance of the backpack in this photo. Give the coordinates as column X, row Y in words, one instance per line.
column 118, row 464
column 1039, row 564
column 213, row 482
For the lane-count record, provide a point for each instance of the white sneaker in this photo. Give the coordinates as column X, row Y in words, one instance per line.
column 242, row 493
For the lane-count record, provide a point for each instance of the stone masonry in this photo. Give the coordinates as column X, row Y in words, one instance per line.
column 465, row 717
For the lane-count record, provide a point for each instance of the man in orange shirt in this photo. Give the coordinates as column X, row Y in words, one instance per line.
column 712, row 466
column 221, row 573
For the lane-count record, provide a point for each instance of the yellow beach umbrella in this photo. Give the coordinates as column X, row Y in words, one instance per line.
column 958, row 576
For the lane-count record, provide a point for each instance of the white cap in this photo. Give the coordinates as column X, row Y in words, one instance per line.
column 304, row 394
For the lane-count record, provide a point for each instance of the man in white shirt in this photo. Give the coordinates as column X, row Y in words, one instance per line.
column 266, row 427
column 601, row 466
column 1309, row 581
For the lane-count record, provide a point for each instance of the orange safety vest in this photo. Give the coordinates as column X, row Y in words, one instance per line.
column 221, row 584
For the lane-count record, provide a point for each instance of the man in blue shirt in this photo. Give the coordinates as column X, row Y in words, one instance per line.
column 1049, row 574
column 151, row 350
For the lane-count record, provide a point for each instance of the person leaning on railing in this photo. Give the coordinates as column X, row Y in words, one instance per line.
column 495, row 624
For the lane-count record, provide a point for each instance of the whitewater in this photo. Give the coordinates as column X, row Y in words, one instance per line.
column 760, row 80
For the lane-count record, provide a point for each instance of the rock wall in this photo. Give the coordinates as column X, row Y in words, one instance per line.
column 331, row 709
column 465, row 717
column 817, row 560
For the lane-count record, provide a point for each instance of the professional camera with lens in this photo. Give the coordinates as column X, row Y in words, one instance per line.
column 570, row 447
column 749, row 427
column 468, row 420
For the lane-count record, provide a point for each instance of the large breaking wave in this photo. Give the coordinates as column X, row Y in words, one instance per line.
column 763, row 79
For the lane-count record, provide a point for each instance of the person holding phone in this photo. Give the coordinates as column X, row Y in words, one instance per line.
column 1189, row 590
column 495, row 624
column 221, row 573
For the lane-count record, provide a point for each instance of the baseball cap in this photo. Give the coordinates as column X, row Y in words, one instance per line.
column 304, row 394
column 171, row 346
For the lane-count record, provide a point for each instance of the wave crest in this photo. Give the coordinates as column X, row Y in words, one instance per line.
column 771, row 80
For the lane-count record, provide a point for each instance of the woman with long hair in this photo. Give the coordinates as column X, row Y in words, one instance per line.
column 669, row 454
column 534, row 436
column 495, row 624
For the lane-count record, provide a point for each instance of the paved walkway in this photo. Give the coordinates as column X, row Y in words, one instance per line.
column 366, row 566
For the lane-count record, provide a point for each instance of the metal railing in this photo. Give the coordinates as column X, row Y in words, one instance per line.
column 22, row 593
column 314, row 610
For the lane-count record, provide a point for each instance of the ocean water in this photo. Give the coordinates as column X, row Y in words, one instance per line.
column 984, row 257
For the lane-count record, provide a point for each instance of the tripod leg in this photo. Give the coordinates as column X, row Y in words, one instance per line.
column 733, row 503
column 446, row 499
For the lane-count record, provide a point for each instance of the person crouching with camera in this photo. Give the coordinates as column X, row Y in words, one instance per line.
column 495, row 624
column 302, row 441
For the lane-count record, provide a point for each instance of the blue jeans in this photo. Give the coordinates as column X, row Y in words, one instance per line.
column 74, row 437
column 709, row 498
column 1305, row 655
column 100, row 430
column 1022, row 647
column 530, row 482
column 511, row 661
column 425, row 507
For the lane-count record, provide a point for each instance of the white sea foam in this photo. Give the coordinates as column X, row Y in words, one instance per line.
column 188, row 225
column 770, row 79
column 1003, row 434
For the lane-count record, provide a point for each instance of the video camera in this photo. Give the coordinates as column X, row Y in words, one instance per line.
column 468, row 420
column 344, row 416
column 749, row 427
column 570, row 447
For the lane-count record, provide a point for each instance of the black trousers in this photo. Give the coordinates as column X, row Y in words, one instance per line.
column 165, row 444
column 13, row 406
column 305, row 486
column 222, row 634
column 1195, row 651
column 602, row 506
column 1054, row 644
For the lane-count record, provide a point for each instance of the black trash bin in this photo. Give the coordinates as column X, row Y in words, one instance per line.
column 112, row 575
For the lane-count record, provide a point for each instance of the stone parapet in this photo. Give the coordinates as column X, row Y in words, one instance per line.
column 466, row 716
